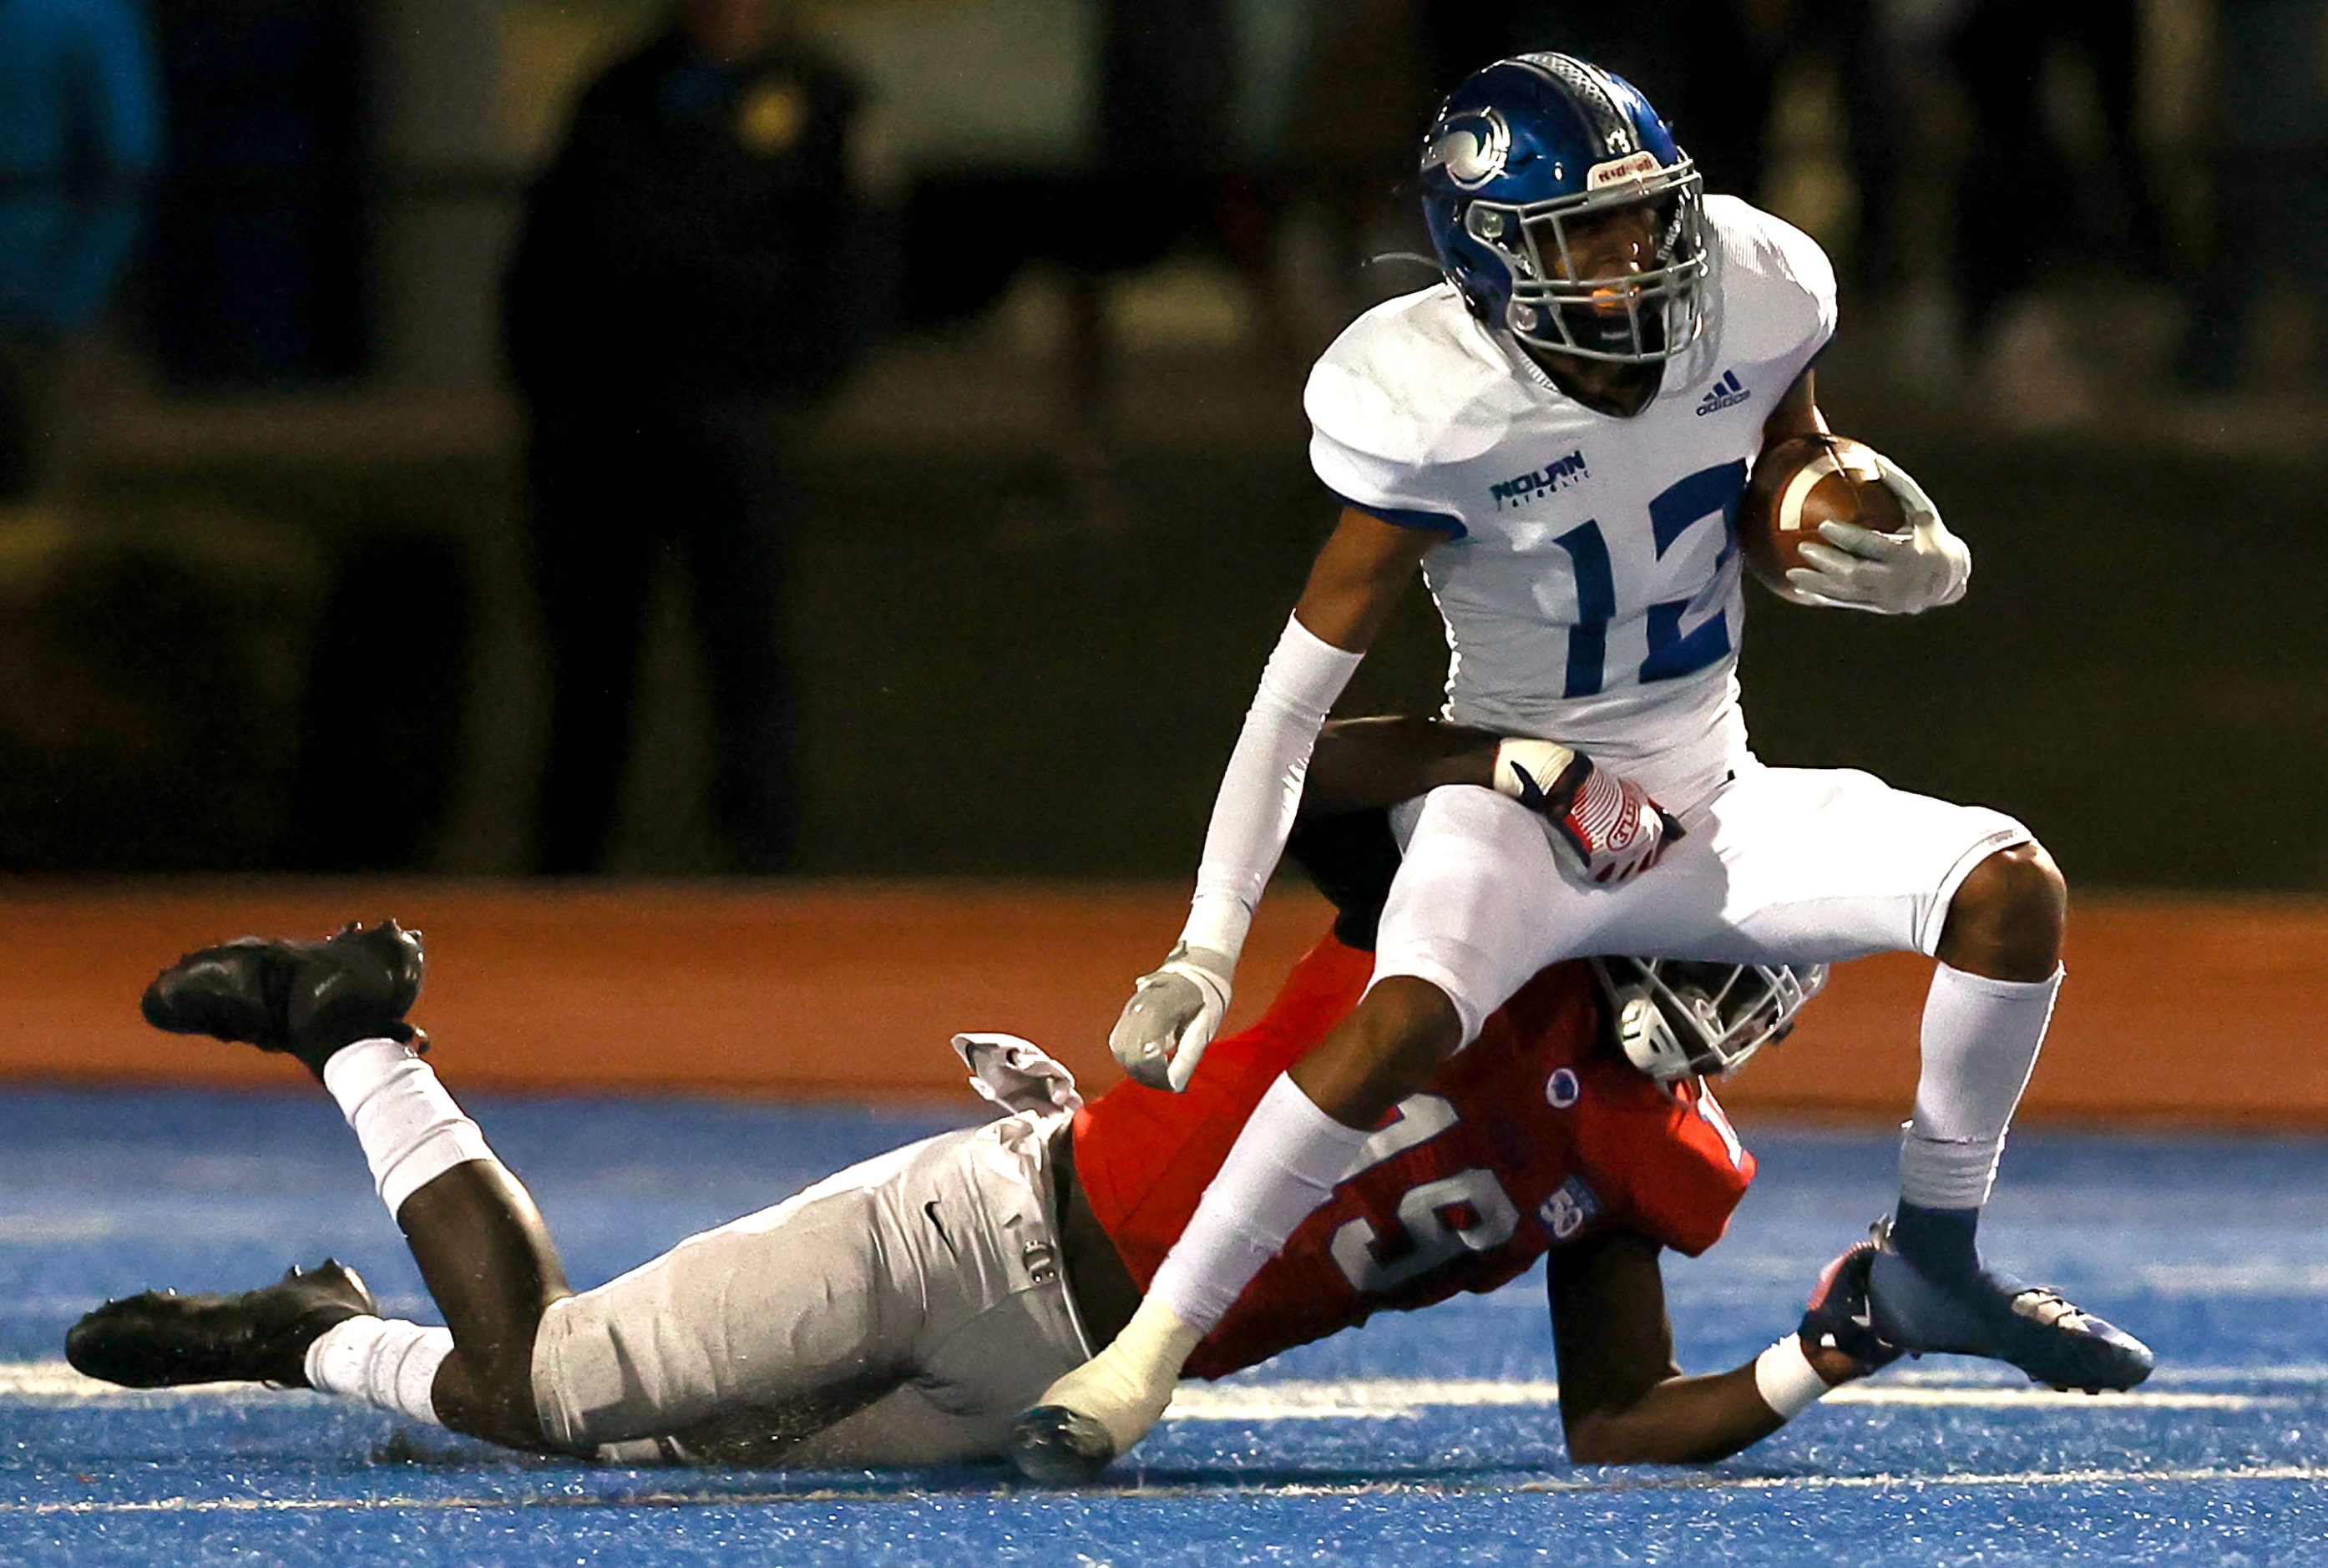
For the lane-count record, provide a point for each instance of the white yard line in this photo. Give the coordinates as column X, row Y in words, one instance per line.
column 1389, row 1397
column 1382, row 1397
column 2260, row 1277
column 1224, row 1485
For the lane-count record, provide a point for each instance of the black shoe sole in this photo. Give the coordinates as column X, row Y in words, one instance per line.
column 303, row 999
column 1059, row 1447
column 160, row 1339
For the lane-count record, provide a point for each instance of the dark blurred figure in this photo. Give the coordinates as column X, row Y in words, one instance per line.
column 2270, row 179
column 260, row 267
column 1872, row 79
column 691, row 280
column 1160, row 169
column 1162, row 130
column 2020, row 195
column 1370, row 82
column 79, row 135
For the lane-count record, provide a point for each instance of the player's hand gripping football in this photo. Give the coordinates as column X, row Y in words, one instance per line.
column 1610, row 826
column 1858, row 568
column 1172, row 1017
column 1838, row 1330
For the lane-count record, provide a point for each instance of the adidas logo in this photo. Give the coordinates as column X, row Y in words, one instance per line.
column 1725, row 393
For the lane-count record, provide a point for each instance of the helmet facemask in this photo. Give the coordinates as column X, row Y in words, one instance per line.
column 1553, row 310
column 1676, row 1019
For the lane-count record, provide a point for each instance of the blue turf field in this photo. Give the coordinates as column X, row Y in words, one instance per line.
column 1428, row 1434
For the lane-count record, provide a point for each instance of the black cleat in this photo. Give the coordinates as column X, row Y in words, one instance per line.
column 160, row 1339
column 306, row 999
column 1060, row 1447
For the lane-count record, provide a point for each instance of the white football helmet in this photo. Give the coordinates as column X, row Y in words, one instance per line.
column 1676, row 1018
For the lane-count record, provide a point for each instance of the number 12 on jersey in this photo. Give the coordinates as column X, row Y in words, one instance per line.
column 1673, row 512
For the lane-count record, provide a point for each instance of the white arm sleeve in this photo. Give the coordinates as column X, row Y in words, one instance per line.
column 1262, row 789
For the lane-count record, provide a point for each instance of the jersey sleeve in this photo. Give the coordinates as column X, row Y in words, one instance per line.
column 1665, row 1163
column 1369, row 444
column 1783, row 289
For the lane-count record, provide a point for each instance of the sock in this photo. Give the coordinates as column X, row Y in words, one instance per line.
column 411, row 1130
column 386, row 1361
column 1283, row 1166
column 1128, row 1386
column 1980, row 1042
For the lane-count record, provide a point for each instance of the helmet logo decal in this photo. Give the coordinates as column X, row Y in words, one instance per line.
column 1618, row 170
column 1563, row 1090
column 1472, row 146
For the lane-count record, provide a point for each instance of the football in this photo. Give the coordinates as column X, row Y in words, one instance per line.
column 1800, row 483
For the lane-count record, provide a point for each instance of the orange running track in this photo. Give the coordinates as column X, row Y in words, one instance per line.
column 2177, row 1010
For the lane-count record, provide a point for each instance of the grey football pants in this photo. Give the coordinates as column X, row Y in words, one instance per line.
column 899, row 1313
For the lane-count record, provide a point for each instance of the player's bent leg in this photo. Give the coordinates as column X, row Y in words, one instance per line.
column 1476, row 909
column 338, row 1006
column 1401, row 1034
column 1984, row 1021
column 489, row 1263
column 935, row 1267
column 2008, row 915
column 1832, row 864
column 789, row 1312
column 1299, row 1142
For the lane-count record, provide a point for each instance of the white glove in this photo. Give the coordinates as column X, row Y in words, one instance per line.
column 1016, row 1074
column 1858, row 568
column 1172, row 1017
column 1613, row 831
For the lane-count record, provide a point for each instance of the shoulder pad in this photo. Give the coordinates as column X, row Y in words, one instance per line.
column 1777, row 289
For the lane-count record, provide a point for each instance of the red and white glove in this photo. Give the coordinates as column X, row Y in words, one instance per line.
column 1610, row 825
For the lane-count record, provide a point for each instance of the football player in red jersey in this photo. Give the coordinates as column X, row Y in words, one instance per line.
column 903, row 1311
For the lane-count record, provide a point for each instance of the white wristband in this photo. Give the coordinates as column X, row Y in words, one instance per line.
column 1218, row 921
column 1541, row 761
column 1785, row 1379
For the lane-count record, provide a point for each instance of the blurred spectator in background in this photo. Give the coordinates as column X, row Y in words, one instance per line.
column 688, row 282
column 2023, row 197
column 2270, row 168
column 1346, row 151
column 79, row 135
column 1159, row 176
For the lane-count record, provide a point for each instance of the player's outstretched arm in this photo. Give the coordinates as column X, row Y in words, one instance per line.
column 1366, row 764
column 1609, row 826
column 1354, row 585
column 1623, row 1399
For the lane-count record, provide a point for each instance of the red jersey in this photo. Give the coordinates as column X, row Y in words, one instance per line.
column 1527, row 1140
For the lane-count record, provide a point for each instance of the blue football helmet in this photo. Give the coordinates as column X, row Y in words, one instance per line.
column 1524, row 152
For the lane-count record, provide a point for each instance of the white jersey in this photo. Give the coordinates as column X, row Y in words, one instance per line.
column 1591, row 581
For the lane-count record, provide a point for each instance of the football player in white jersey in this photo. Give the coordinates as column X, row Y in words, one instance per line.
column 1557, row 436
